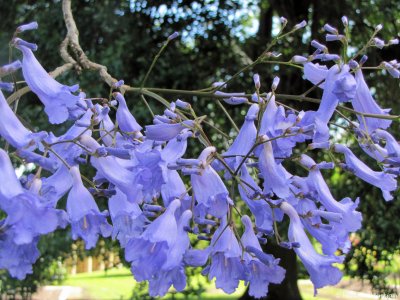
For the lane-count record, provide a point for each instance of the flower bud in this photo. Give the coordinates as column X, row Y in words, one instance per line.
column 173, row 36
column 29, row 26
column 300, row 25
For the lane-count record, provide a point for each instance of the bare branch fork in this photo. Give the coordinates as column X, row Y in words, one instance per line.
column 71, row 41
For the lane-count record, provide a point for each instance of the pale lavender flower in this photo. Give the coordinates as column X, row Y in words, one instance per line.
column 57, row 98
column 10, row 68
column 245, row 140
column 126, row 121
column 274, row 174
column 172, row 272
column 127, row 218
column 173, row 36
column 320, row 268
column 87, row 222
column 12, row 130
column 17, row 259
column 57, row 185
column 259, row 208
column 334, row 37
column 209, row 190
column 386, row 182
column 256, row 79
column 259, row 274
column 24, row 208
column 166, row 131
column 150, row 250
column 351, row 219
column 28, row 26
column 330, row 29
column 300, row 25
column 110, row 169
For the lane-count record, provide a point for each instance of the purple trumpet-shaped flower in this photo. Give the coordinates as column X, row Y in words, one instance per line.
column 392, row 147
column 339, row 86
column 260, row 274
column 17, row 259
column 46, row 163
column 364, row 102
column 10, row 68
column 386, row 182
column 106, row 126
column 315, row 73
column 87, row 222
column 110, row 169
column 277, row 122
column 57, row 185
column 30, row 26
column 260, row 209
column 24, row 208
column 68, row 150
column 320, row 268
column 173, row 186
column 57, row 98
column 350, row 220
column 226, row 264
column 150, row 173
column 209, row 190
column 275, row 176
column 245, row 139
column 166, row 131
column 127, row 218
column 151, row 249
column 12, row 130
column 126, row 121
column 172, row 272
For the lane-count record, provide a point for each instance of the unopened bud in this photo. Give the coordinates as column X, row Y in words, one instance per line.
column 334, row 37
column 345, row 21
column 8, row 86
column 300, row 25
column 378, row 27
column 330, row 29
column 29, row 26
column 318, row 46
column 379, row 43
column 275, row 83
column 298, row 59
column 173, row 36
column 256, row 79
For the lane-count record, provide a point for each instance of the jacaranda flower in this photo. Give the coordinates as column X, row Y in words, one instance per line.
column 386, row 182
column 87, row 222
column 320, row 268
column 12, row 130
column 259, row 274
column 57, row 98
column 150, row 250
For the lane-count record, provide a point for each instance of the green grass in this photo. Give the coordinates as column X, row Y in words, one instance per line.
column 119, row 284
column 115, row 284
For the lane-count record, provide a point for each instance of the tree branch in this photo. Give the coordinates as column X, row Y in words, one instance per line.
column 79, row 56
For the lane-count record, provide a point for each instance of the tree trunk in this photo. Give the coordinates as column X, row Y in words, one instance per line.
column 288, row 289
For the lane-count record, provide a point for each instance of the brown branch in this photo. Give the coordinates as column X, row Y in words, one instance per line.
column 72, row 40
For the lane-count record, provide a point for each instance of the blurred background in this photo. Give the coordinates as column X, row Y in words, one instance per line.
column 217, row 38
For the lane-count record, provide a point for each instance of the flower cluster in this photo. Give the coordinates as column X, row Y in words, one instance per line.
column 161, row 201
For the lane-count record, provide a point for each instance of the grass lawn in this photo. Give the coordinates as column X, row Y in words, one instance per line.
column 119, row 284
